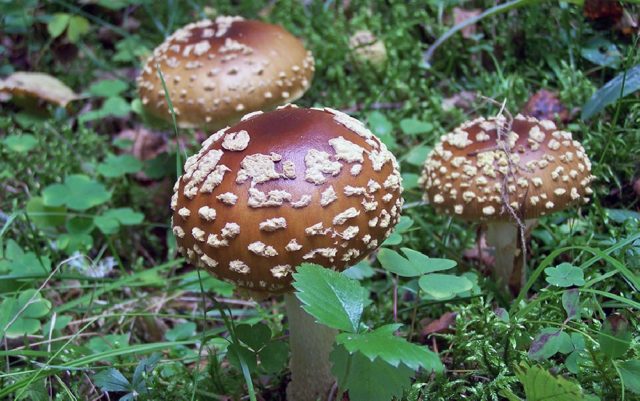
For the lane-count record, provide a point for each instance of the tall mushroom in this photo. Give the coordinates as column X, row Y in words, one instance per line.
column 500, row 172
column 279, row 189
column 217, row 71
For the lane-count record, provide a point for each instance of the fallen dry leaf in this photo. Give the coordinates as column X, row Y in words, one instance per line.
column 462, row 100
column 460, row 15
column 545, row 105
column 443, row 323
column 39, row 86
column 608, row 11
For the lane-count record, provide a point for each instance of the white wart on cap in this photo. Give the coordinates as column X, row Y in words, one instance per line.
column 217, row 71
column 469, row 174
column 282, row 188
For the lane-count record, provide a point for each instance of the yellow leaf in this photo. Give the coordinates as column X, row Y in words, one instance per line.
column 38, row 85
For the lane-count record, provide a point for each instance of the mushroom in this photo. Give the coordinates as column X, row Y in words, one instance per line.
column 506, row 173
column 279, row 189
column 217, row 71
column 367, row 48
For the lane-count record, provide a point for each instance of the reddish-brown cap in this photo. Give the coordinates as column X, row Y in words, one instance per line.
column 217, row 71
column 282, row 188
column 533, row 167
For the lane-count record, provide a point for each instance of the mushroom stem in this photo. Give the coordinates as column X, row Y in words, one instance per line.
column 503, row 236
column 310, row 343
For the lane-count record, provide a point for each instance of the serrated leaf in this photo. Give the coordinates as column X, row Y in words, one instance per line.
column 630, row 372
column 108, row 87
column 112, row 380
column 255, row 336
column 444, row 286
column 564, row 275
column 622, row 85
column 274, row 356
column 540, row 385
column 333, row 299
column 369, row 380
column 571, row 303
column 381, row 343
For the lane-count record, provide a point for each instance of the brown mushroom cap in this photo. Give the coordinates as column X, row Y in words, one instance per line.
column 282, row 188
column 469, row 174
column 217, row 71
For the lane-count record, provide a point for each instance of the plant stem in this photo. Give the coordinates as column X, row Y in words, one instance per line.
column 503, row 237
column 310, row 343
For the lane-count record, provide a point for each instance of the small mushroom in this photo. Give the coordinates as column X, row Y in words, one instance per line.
column 279, row 189
column 367, row 48
column 499, row 172
column 217, row 71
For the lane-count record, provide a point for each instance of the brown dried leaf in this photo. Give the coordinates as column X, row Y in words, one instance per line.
column 39, row 86
column 609, row 11
column 545, row 105
column 443, row 323
column 463, row 100
column 460, row 15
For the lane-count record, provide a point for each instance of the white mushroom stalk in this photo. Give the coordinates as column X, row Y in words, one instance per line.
column 528, row 170
column 279, row 189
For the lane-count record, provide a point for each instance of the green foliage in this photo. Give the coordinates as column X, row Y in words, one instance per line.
column 75, row 25
column 77, row 192
column 21, row 316
column 540, row 385
column 118, row 166
column 20, row 143
column 564, row 275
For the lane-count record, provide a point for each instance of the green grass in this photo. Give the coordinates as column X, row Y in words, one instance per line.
column 150, row 291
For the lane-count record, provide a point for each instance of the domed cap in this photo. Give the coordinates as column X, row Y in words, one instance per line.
column 282, row 188
column 217, row 71
column 536, row 168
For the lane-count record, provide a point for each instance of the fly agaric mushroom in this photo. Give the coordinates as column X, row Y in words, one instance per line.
column 499, row 172
column 217, row 71
column 279, row 189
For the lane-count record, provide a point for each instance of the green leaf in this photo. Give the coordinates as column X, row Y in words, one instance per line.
column 379, row 124
column 45, row 216
column 444, row 286
column 630, row 371
column 615, row 336
column 108, row 87
column 181, row 331
column 255, row 336
column 546, row 344
column 78, row 26
column 116, row 106
column 619, row 87
column 80, row 225
column 117, row 166
column 571, row 303
column 410, row 180
column 564, row 275
column 274, row 356
column 411, row 126
column 27, row 322
column 333, row 299
column 381, row 343
column 540, row 385
column 58, row 24
column 20, row 143
column 394, row 262
column 112, row 380
column 417, row 155
column 369, row 380
column 78, row 192
column 602, row 52
column 622, row 215
column 236, row 351
column 21, row 263
column 111, row 220
column 429, row 265
column 359, row 271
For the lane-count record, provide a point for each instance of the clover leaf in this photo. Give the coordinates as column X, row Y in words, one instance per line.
column 564, row 275
column 78, row 192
